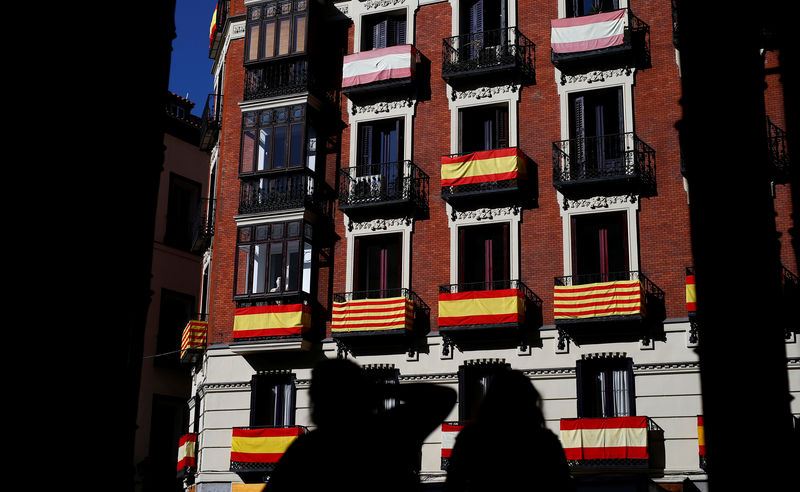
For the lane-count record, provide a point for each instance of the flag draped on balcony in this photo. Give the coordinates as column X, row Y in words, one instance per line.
column 267, row 321
column 449, row 434
column 186, row 451
column 194, row 336
column 701, row 436
column 265, row 445
column 622, row 297
column 394, row 62
column 691, row 294
column 213, row 29
column 609, row 438
column 481, row 307
column 373, row 314
column 590, row 32
column 483, row 167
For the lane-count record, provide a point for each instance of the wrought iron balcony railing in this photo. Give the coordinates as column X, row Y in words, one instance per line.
column 211, row 121
column 488, row 52
column 284, row 191
column 386, row 183
column 218, row 30
column 779, row 156
column 621, row 158
column 204, row 225
column 277, row 78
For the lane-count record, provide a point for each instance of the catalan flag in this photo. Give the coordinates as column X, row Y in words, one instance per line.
column 621, row 297
column 589, row 32
column 194, row 336
column 393, row 313
column 691, row 294
column 481, row 307
column 265, row 445
column 267, row 321
column 186, row 451
column 483, row 167
column 609, row 438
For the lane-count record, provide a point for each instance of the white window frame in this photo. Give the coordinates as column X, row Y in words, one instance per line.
column 510, row 215
column 379, row 227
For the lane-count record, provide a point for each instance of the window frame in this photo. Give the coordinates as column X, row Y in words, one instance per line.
column 399, row 18
column 500, row 133
column 275, row 12
column 261, row 388
column 272, row 119
column 463, row 231
column 595, row 220
column 182, row 193
column 587, row 367
column 468, row 403
column 382, row 239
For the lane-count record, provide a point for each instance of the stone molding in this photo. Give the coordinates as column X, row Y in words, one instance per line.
column 379, row 224
column 483, row 92
column 599, row 201
column 382, row 107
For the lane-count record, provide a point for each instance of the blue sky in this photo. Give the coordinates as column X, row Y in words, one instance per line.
column 190, row 68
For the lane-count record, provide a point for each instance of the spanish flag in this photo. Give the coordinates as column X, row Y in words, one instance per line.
column 186, row 451
column 194, row 336
column 483, row 167
column 481, row 307
column 213, row 29
column 393, row 313
column 691, row 294
column 701, row 436
column 622, row 297
column 262, row 445
column 609, row 438
column 268, row 321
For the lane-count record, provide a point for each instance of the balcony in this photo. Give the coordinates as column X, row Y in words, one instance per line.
column 194, row 339
column 381, row 70
column 488, row 55
column 576, row 46
column 258, row 449
column 450, row 431
column 608, row 164
column 388, row 187
column 277, row 78
column 203, row 228
column 388, row 317
column 614, row 443
column 211, row 121
column 484, row 176
column 187, row 457
column 217, row 30
column 778, row 154
column 281, row 320
column 285, row 191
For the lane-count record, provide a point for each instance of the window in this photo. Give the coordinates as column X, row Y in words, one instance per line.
column 383, row 30
column 473, row 381
column 175, row 310
column 272, row 259
column 380, row 159
column 182, row 211
column 483, row 256
column 596, row 128
column 275, row 29
column 273, row 139
column 383, row 375
column 579, row 8
column 272, row 399
column 600, row 245
column 605, row 387
column 378, row 265
column 483, row 128
column 478, row 16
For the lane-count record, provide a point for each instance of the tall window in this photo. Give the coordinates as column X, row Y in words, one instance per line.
column 473, row 381
column 579, row 8
column 273, row 139
column 596, row 128
column 270, row 259
column 276, row 29
column 378, row 265
column 600, row 244
column 182, row 211
column 482, row 15
column 605, row 388
column 272, row 399
column 483, row 256
column 383, row 30
column 483, row 128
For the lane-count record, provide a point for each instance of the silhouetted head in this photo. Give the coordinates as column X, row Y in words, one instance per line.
column 339, row 392
column 511, row 397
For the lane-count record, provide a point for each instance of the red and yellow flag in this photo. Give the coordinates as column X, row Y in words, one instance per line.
column 480, row 307
column 701, row 436
column 610, row 438
column 194, row 336
column 262, row 445
column 483, row 167
column 373, row 314
column 186, row 451
column 691, row 294
column 213, row 28
column 267, row 321
column 622, row 297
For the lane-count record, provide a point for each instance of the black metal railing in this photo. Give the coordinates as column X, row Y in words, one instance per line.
column 388, row 182
column 277, row 78
column 204, row 224
column 502, row 185
column 283, row 192
column 487, row 51
column 211, row 121
column 778, row 155
column 274, row 298
column 223, row 7
column 608, row 157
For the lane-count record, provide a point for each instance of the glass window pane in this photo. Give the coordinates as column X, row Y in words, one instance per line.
column 306, row 268
column 242, row 263
column 284, row 28
column 277, row 231
column 296, row 146
column 261, row 232
column 279, row 153
column 292, row 265
column 275, row 266
column 293, row 229
column 252, row 42
column 245, row 234
column 269, row 39
column 259, row 268
column 248, row 144
column 264, row 144
column 299, row 33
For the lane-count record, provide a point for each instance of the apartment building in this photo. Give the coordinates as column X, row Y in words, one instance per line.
column 441, row 190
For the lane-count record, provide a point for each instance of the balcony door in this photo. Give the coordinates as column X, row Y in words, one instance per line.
column 272, row 399
column 605, row 388
column 482, row 29
column 380, row 157
column 483, row 128
column 378, row 266
column 483, row 257
column 596, row 133
column 383, row 31
column 579, row 8
column 599, row 246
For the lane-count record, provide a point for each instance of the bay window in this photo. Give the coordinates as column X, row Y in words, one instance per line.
column 276, row 29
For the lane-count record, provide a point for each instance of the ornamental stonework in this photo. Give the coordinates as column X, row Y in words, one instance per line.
column 379, row 224
column 485, row 213
column 484, row 92
column 599, row 201
column 376, row 4
column 595, row 76
column 382, row 107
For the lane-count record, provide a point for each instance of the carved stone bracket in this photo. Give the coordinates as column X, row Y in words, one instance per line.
column 598, row 201
column 484, row 213
column 483, row 92
column 382, row 107
column 379, row 224
column 341, row 349
column 595, row 76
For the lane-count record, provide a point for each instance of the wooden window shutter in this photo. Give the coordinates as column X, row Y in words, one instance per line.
column 578, row 108
column 366, row 144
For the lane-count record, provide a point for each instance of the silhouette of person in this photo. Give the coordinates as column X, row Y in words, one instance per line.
column 507, row 446
column 354, row 447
